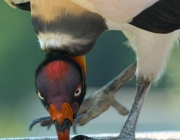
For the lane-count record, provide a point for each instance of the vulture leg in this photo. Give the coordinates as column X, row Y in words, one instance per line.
column 128, row 130
column 142, row 88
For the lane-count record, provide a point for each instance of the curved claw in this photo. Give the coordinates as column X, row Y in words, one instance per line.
column 96, row 104
column 120, row 108
column 44, row 121
column 100, row 105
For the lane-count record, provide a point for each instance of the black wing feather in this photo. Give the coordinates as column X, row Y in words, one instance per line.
column 162, row 17
column 24, row 6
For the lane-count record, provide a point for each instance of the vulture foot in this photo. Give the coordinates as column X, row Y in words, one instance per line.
column 102, row 99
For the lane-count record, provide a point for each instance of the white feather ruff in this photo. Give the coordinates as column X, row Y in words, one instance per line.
column 49, row 40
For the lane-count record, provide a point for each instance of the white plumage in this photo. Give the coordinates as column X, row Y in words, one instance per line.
column 12, row 2
column 17, row 1
column 152, row 49
column 56, row 40
column 121, row 11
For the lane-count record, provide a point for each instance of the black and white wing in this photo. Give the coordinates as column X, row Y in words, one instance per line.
column 158, row 16
column 22, row 4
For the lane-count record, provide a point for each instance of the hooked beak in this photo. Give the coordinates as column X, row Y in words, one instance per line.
column 62, row 120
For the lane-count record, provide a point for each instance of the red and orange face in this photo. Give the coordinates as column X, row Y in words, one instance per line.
column 61, row 88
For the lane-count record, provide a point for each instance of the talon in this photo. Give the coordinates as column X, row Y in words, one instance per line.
column 120, row 108
column 102, row 99
column 44, row 121
column 74, row 128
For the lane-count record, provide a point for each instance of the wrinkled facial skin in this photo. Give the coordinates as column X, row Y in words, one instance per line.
column 61, row 88
column 58, row 82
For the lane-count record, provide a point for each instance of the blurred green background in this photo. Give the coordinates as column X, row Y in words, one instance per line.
column 20, row 54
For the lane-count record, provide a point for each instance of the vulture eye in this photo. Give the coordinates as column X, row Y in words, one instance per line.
column 77, row 92
column 39, row 94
